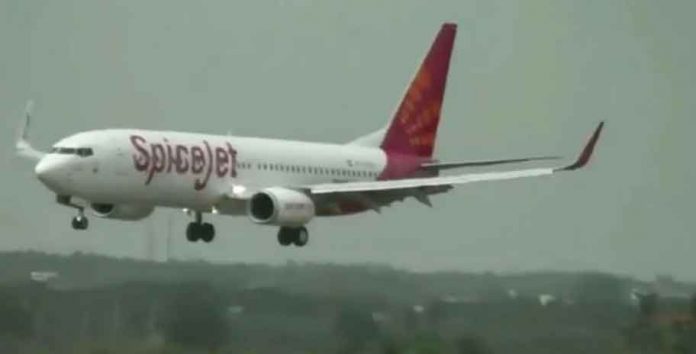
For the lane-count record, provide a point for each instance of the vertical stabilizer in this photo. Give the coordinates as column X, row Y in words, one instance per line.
column 413, row 128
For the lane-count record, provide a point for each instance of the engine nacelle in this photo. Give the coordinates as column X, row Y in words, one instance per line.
column 280, row 206
column 121, row 211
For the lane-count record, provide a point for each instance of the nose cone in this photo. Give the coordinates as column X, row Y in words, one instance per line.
column 50, row 172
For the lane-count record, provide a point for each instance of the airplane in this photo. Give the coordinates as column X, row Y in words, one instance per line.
column 124, row 174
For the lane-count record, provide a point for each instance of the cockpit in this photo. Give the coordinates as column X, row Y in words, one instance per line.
column 82, row 152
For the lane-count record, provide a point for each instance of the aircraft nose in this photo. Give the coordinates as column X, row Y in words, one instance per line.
column 48, row 171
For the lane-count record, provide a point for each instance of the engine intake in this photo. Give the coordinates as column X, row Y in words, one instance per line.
column 281, row 206
column 121, row 211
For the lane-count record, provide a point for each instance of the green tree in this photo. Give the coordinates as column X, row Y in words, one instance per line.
column 196, row 318
column 472, row 344
column 599, row 288
column 436, row 312
column 647, row 305
column 355, row 328
column 427, row 343
column 15, row 319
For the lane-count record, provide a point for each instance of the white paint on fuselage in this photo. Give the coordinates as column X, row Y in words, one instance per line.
column 110, row 174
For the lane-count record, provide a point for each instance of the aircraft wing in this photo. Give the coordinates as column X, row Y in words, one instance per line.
column 416, row 184
column 439, row 166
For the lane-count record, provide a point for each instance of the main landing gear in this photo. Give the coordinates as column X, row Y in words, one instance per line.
column 198, row 230
column 293, row 235
column 79, row 222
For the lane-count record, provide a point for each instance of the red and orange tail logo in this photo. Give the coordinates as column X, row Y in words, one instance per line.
column 414, row 126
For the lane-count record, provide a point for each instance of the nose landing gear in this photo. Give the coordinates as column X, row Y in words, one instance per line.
column 79, row 222
column 198, row 230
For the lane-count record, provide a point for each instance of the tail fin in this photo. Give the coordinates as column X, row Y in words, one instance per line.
column 22, row 146
column 413, row 128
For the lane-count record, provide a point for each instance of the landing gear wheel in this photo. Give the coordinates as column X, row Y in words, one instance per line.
column 207, row 232
column 285, row 236
column 192, row 232
column 301, row 237
column 198, row 230
column 80, row 222
column 293, row 235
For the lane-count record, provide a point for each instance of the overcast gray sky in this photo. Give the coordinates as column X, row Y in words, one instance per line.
column 528, row 77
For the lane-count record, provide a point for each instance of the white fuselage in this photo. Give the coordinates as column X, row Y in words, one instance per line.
column 188, row 170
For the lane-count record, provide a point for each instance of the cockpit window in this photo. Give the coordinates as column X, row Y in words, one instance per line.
column 64, row 151
column 83, row 152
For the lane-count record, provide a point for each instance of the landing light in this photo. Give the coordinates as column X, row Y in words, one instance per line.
column 238, row 189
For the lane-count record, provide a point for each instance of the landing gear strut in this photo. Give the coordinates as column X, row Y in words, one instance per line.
column 79, row 222
column 198, row 230
column 293, row 235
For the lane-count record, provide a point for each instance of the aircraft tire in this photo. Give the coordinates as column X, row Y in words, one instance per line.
column 192, row 232
column 285, row 236
column 301, row 236
column 207, row 232
column 80, row 223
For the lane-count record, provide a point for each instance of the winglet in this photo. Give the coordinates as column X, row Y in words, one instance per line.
column 586, row 154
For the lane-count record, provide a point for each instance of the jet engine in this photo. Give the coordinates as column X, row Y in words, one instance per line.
column 280, row 206
column 121, row 211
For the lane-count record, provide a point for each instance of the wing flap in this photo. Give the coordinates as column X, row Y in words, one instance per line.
column 439, row 166
column 426, row 182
